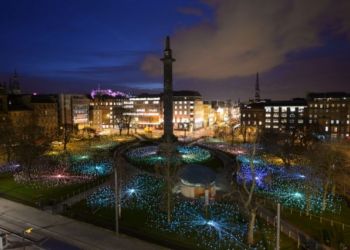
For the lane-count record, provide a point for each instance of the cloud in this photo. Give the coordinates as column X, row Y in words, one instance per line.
column 249, row 36
column 190, row 11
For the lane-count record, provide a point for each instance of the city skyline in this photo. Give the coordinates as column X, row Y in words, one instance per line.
column 72, row 48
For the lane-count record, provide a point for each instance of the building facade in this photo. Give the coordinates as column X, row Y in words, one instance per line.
column 188, row 110
column 73, row 111
column 45, row 113
column 329, row 114
column 274, row 115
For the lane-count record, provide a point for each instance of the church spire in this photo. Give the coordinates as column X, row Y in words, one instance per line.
column 257, row 88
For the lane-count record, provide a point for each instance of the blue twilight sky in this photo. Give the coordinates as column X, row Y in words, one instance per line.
column 73, row 46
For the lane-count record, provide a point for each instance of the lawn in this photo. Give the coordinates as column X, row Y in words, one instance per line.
column 135, row 222
column 35, row 195
column 320, row 230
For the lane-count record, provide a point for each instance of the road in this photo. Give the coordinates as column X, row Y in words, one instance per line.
column 58, row 232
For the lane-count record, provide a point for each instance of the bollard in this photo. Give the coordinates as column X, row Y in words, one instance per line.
column 343, row 226
column 332, row 223
column 289, row 233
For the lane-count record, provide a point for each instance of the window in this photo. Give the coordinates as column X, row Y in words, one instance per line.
column 268, row 120
column 300, row 121
column 268, row 115
column 284, row 109
column 268, row 109
column 276, row 109
column 275, row 120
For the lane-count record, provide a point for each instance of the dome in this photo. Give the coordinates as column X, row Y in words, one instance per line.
column 197, row 175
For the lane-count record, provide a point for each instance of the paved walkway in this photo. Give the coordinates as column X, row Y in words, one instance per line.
column 16, row 217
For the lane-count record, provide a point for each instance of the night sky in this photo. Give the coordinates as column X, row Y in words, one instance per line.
column 298, row 46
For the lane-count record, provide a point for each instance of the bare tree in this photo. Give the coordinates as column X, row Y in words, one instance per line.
column 127, row 121
column 7, row 138
column 118, row 113
column 169, row 170
column 328, row 163
column 32, row 144
column 246, row 192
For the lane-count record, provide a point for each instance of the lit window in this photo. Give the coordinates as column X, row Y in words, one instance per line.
column 326, row 128
column 268, row 115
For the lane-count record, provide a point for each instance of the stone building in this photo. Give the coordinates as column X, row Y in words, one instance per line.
column 329, row 114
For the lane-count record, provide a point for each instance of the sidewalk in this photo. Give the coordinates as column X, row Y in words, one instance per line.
column 16, row 218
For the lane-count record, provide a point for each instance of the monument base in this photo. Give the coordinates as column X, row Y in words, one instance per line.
column 173, row 138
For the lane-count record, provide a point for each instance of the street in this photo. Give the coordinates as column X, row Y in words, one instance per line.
column 57, row 232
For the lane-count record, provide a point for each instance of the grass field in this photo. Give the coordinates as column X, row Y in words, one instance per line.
column 135, row 222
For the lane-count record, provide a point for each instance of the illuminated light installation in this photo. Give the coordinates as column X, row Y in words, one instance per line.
column 288, row 187
column 150, row 156
column 104, row 146
column 223, row 228
column 93, row 169
column 10, row 168
column 108, row 92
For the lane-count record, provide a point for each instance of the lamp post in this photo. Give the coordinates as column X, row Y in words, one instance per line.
column 116, row 191
column 278, row 226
